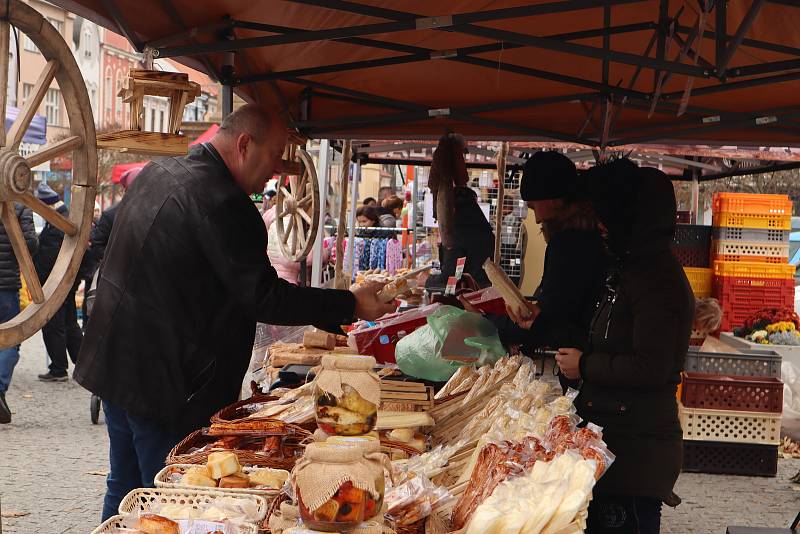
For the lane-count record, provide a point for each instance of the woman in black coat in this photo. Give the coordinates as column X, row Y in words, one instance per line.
column 639, row 339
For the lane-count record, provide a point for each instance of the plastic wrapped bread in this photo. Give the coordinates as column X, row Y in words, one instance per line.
column 510, row 293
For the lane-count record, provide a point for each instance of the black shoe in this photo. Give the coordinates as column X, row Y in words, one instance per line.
column 5, row 411
column 50, row 377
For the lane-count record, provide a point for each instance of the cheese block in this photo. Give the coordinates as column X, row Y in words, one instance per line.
column 196, row 479
column 237, row 480
column 222, row 464
column 388, row 420
column 271, row 478
column 155, row 524
column 319, row 339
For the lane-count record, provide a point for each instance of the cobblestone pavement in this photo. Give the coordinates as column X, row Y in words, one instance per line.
column 52, row 462
column 48, row 452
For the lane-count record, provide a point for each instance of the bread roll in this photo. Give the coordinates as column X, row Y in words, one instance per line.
column 155, row 524
column 237, row 480
column 196, row 479
column 271, row 478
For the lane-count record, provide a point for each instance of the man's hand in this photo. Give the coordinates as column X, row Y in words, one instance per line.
column 568, row 361
column 368, row 307
column 527, row 321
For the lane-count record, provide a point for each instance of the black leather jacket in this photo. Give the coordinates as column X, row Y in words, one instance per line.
column 9, row 268
column 101, row 233
column 185, row 278
column 50, row 240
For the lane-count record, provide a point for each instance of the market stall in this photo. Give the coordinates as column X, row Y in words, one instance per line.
column 364, row 446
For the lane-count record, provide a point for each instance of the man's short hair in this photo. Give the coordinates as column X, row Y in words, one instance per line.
column 252, row 119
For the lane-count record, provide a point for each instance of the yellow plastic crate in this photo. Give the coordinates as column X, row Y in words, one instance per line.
column 701, row 280
column 753, row 220
column 751, row 269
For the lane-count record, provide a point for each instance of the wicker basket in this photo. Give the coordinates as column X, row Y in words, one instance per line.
column 730, row 426
column 237, row 413
column 142, row 499
column 113, row 523
column 162, row 481
column 292, row 448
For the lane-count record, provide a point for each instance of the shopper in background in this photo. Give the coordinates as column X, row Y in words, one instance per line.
column 639, row 337
column 368, row 217
column 287, row 269
column 101, row 232
column 575, row 260
column 10, row 285
column 183, row 284
column 369, row 201
column 391, row 208
column 61, row 334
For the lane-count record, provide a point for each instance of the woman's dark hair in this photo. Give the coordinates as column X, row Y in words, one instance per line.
column 369, row 201
column 577, row 214
column 371, row 213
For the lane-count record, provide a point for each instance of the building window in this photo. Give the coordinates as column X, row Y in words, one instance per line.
column 119, row 98
column 57, row 24
column 87, row 44
column 29, row 45
column 26, row 92
column 161, row 121
column 152, row 126
column 107, row 97
column 52, row 107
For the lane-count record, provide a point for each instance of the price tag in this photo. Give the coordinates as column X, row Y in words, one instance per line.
column 451, row 286
column 460, row 262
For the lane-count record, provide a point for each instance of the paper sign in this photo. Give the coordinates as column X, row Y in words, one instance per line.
column 451, row 286
column 460, row 262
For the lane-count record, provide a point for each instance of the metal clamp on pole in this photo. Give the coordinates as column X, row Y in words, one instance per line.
column 432, row 23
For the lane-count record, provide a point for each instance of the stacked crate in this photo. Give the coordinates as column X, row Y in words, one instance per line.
column 750, row 254
column 730, row 412
column 692, row 247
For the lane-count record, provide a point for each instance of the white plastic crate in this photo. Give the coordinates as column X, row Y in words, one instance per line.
column 730, row 426
column 750, row 248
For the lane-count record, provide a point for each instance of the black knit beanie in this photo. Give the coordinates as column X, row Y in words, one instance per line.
column 548, row 175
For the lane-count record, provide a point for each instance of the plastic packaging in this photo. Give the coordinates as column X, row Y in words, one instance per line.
column 451, row 338
column 414, row 500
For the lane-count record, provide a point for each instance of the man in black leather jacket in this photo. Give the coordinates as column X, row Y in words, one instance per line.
column 61, row 334
column 185, row 278
column 9, row 297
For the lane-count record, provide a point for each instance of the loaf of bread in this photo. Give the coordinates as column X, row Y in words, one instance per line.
column 271, row 478
column 222, row 464
column 155, row 524
column 197, row 479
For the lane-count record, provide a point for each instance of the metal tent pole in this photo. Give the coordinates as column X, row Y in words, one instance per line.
column 322, row 176
column 352, row 221
column 413, row 218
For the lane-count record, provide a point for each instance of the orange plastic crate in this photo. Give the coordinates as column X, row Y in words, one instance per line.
column 751, row 203
column 753, row 220
column 748, row 269
column 745, row 258
column 701, row 281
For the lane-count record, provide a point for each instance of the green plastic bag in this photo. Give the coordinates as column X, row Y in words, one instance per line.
column 452, row 338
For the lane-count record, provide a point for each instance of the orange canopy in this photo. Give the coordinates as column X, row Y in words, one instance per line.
column 578, row 71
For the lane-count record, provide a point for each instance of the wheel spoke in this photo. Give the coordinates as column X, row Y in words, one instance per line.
column 50, row 151
column 284, row 213
column 305, row 200
column 304, row 215
column 286, row 193
column 301, row 184
column 297, row 229
column 4, row 53
column 26, row 267
column 288, row 231
column 34, row 101
column 301, row 231
column 293, row 184
column 49, row 214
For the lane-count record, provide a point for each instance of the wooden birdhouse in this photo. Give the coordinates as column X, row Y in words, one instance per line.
column 140, row 83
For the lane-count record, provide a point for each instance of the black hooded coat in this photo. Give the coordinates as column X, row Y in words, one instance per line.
column 640, row 334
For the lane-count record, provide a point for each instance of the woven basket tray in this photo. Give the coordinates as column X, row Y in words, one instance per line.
column 113, row 523
column 142, row 500
column 238, row 414
column 162, row 481
column 292, row 448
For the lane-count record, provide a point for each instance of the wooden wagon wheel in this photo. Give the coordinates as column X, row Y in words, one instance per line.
column 297, row 209
column 15, row 170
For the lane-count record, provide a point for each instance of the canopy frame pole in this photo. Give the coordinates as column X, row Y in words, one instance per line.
column 752, row 43
column 122, row 24
column 323, row 177
column 339, row 282
column 501, row 196
column 695, row 197
column 744, row 27
column 352, row 219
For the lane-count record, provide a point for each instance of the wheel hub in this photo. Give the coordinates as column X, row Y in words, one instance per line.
column 15, row 175
column 290, row 204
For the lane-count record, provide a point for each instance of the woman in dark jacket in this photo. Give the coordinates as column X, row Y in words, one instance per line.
column 639, row 339
column 574, row 263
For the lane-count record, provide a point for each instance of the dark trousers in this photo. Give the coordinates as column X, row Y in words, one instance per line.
column 609, row 514
column 61, row 335
column 138, row 449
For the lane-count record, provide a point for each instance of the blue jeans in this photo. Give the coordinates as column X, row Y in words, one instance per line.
column 9, row 308
column 138, row 450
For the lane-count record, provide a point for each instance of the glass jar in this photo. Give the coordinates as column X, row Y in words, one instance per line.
column 335, row 486
column 347, row 394
column 371, row 446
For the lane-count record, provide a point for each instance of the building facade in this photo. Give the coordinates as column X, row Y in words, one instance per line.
column 117, row 59
column 85, row 45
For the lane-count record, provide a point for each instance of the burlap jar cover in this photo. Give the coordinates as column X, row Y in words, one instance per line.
column 325, row 467
column 355, row 371
column 371, row 447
